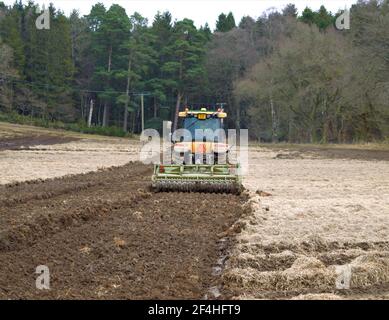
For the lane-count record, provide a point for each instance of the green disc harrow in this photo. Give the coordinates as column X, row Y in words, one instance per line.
column 197, row 178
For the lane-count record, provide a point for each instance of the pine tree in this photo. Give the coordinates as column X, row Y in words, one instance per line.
column 82, row 60
column 206, row 31
column 290, row 10
column 60, row 68
column 225, row 22
column 111, row 30
column 11, row 32
column 140, row 57
column 307, row 16
column 323, row 18
column 162, row 32
column 7, row 73
column 185, row 66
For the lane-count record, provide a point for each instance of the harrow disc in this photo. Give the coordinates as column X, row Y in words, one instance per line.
column 221, row 186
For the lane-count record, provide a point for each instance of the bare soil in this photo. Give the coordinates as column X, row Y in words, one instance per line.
column 104, row 235
column 23, row 143
column 28, row 153
column 358, row 152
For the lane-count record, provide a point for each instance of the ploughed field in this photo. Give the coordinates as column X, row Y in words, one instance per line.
column 105, row 235
column 313, row 223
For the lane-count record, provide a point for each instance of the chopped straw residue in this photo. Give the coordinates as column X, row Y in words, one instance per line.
column 307, row 268
column 307, row 273
column 370, row 269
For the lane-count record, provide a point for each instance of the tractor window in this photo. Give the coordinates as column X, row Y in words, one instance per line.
column 192, row 124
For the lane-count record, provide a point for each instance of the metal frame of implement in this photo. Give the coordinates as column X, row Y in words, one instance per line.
column 197, row 177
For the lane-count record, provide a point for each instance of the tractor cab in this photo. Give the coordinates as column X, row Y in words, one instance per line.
column 197, row 122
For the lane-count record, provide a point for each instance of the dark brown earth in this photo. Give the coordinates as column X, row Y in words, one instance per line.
column 103, row 235
column 300, row 151
column 25, row 142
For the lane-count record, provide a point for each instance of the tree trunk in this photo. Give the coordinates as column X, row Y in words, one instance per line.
column 73, row 50
column 82, row 107
column 99, row 114
column 273, row 115
column 326, row 122
column 179, row 97
column 273, row 121
column 125, row 121
column 237, row 111
column 11, row 100
column 142, row 108
column 155, row 107
column 341, row 138
column 133, row 115
column 289, row 131
column 237, row 116
column 90, row 114
column 312, row 124
column 105, row 114
column 326, row 131
column 106, row 106
column 110, row 59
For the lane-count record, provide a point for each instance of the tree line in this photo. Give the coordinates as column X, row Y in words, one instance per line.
column 284, row 76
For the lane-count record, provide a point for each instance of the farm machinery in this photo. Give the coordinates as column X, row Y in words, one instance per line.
column 202, row 160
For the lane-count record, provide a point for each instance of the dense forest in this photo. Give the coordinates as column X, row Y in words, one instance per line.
column 284, row 76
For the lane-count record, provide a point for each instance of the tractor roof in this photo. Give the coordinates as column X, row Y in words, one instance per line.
column 193, row 113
